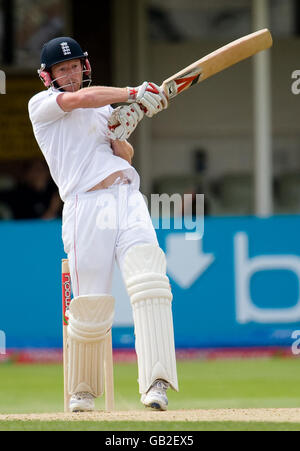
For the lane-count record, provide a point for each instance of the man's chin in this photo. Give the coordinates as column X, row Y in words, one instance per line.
column 72, row 88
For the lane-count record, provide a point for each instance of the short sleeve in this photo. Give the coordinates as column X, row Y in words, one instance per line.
column 44, row 108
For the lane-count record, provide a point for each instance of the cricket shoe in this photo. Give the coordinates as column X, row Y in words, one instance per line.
column 156, row 396
column 82, row 402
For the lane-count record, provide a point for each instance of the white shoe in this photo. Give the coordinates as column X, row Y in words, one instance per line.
column 156, row 396
column 82, row 402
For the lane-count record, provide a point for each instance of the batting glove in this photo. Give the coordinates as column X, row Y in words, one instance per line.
column 150, row 97
column 124, row 121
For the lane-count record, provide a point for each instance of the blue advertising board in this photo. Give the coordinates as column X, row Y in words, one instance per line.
column 237, row 287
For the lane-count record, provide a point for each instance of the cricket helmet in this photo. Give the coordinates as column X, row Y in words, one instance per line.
column 57, row 51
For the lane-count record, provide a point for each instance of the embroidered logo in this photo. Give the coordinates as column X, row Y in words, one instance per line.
column 65, row 48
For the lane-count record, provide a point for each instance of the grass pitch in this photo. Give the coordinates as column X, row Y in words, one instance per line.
column 222, row 384
column 218, row 426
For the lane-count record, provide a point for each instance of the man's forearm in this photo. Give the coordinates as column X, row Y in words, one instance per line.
column 93, row 97
column 123, row 150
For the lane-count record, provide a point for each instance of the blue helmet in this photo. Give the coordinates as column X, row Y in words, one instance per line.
column 57, row 51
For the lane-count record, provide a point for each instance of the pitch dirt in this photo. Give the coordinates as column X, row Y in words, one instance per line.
column 247, row 415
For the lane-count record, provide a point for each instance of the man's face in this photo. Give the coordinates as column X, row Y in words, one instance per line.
column 68, row 75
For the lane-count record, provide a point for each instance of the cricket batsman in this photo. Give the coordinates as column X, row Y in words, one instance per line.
column 105, row 219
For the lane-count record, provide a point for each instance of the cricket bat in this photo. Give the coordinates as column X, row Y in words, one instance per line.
column 217, row 61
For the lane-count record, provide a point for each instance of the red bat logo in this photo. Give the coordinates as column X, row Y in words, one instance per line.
column 186, row 82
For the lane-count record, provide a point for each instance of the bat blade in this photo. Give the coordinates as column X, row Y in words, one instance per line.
column 217, row 61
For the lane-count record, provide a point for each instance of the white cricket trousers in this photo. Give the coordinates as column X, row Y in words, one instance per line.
column 99, row 227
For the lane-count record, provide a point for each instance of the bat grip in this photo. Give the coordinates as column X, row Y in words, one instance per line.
column 143, row 108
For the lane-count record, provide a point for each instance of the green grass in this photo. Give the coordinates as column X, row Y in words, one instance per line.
column 262, row 383
column 140, row 426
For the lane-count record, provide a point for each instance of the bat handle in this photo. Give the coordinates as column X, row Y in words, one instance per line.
column 164, row 88
column 143, row 108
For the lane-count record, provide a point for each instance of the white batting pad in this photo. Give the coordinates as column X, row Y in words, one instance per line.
column 90, row 319
column 144, row 271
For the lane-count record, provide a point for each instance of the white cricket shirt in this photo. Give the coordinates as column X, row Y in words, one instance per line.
column 75, row 144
